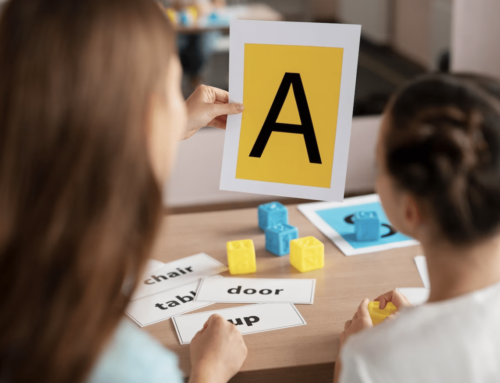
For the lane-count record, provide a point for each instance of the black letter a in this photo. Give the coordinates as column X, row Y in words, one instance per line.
column 270, row 125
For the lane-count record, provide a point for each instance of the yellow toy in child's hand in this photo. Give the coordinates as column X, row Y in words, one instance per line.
column 377, row 314
column 241, row 257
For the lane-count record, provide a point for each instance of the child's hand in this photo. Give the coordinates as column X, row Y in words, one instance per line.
column 394, row 296
column 217, row 351
column 360, row 321
column 209, row 106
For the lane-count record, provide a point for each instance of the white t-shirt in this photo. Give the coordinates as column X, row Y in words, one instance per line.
column 456, row 340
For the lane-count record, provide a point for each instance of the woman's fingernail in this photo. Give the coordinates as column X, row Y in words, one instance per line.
column 240, row 107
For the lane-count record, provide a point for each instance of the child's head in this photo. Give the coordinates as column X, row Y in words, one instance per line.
column 90, row 110
column 439, row 158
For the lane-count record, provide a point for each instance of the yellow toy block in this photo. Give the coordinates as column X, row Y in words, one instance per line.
column 378, row 315
column 307, row 254
column 241, row 257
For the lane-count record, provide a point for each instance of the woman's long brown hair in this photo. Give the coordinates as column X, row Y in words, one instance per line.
column 79, row 204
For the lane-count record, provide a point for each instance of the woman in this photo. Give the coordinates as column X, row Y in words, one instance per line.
column 439, row 182
column 90, row 116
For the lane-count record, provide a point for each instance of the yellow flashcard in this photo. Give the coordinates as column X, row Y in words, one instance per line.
column 290, row 119
column 297, row 82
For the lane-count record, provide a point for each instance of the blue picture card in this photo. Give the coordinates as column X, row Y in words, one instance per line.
column 335, row 220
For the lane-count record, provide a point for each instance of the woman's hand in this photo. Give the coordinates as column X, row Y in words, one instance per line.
column 217, row 351
column 209, row 106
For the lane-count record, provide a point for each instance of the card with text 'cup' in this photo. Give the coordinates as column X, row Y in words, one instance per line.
column 249, row 319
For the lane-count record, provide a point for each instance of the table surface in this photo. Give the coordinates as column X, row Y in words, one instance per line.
column 256, row 11
column 299, row 354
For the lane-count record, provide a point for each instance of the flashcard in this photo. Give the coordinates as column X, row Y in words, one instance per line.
column 335, row 220
column 178, row 273
column 257, row 290
column 416, row 295
column 297, row 83
column 152, row 265
column 249, row 319
column 421, row 263
column 162, row 306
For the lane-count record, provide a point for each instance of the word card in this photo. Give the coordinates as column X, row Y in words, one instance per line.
column 257, row 290
column 421, row 263
column 416, row 295
column 297, row 83
column 153, row 264
column 162, row 306
column 249, row 319
column 334, row 220
column 178, row 273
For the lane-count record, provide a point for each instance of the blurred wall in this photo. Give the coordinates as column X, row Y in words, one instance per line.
column 373, row 15
column 475, row 42
column 412, row 26
column 324, row 9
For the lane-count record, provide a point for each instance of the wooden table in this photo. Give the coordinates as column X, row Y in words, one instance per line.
column 300, row 354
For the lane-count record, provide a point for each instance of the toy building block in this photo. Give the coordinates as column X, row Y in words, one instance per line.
column 377, row 314
column 278, row 238
column 272, row 214
column 307, row 254
column 366, row 226
column 241, row 257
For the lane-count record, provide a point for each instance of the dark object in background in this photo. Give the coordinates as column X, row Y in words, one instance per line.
column 444, row 62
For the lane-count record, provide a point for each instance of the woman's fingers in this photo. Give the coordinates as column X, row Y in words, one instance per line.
column 219, row 95
column 217, row 110
column 218, row 122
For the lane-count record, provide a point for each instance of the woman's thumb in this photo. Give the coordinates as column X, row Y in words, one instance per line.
column 223, row 109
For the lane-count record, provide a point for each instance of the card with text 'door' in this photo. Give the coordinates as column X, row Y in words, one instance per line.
column 297, row 83
column 257, row 290
column 248, row 319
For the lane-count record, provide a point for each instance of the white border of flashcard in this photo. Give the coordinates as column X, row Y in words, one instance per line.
column 292, row 33
column 310, row 209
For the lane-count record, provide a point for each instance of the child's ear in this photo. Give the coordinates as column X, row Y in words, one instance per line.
column 412, row 212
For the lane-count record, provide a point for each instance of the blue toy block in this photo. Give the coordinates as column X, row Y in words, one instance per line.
column 367, row 226
column 272, row 214
column 278, row 238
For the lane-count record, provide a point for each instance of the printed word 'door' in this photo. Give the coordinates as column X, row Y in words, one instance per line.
column 237, row 290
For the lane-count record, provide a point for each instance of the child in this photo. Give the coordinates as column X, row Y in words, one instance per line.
column 90, row 115
column 439, row 182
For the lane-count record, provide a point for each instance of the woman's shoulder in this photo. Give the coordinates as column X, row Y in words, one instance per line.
column 134, row 356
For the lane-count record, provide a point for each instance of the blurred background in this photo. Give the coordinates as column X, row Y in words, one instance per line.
column 401, row 39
